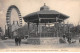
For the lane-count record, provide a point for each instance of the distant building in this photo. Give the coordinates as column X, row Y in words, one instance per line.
column 15, row 27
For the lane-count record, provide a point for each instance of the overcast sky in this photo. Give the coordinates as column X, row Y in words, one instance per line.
column 68, row 7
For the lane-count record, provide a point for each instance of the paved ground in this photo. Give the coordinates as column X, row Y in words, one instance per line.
column 2, row 45
column 9, row 45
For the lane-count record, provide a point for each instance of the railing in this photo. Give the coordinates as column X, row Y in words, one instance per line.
column 42, row 35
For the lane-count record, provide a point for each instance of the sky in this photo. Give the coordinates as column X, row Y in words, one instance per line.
column 68, row 7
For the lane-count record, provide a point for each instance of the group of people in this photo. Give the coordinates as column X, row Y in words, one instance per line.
column 18, row 41
column 68, row 37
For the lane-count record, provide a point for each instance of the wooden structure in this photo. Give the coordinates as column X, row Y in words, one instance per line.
column 45, row 15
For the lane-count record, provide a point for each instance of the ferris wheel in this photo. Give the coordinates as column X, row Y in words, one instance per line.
column 8, row 15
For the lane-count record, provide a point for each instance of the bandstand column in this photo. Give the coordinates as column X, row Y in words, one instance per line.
column 45, row 32
column 49, row 27
column 54, row 30
column 59, row 29
column 37, row 29
column 63, row 27
column 40, row 27
column 57, row 26
column 28, row 28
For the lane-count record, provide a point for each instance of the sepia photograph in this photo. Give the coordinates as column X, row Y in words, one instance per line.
column 39, row 25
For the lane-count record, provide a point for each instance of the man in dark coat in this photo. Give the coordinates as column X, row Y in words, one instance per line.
column 16, row 41
column 19, row 41
column 69, row 39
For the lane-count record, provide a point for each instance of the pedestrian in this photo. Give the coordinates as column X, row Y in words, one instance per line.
column 19, row 41
column 69, row 39
column 16, row 41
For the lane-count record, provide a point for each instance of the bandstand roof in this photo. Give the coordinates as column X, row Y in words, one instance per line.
column 45, row 16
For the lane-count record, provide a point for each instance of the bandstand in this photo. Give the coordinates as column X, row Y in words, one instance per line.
column 43, row 17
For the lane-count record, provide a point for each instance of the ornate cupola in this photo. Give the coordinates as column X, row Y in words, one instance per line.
column 44, row 7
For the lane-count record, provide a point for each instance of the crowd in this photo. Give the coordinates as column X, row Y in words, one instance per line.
column 67, row 39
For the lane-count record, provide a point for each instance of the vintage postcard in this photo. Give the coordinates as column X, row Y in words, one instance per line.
column 39, row 25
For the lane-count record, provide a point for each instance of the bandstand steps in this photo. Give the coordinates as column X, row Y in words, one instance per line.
column 49, row 40
column 43, row 41
column 34, row 41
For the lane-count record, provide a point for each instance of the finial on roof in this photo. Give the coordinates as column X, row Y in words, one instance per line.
column 44, row 4
column 44, row 7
